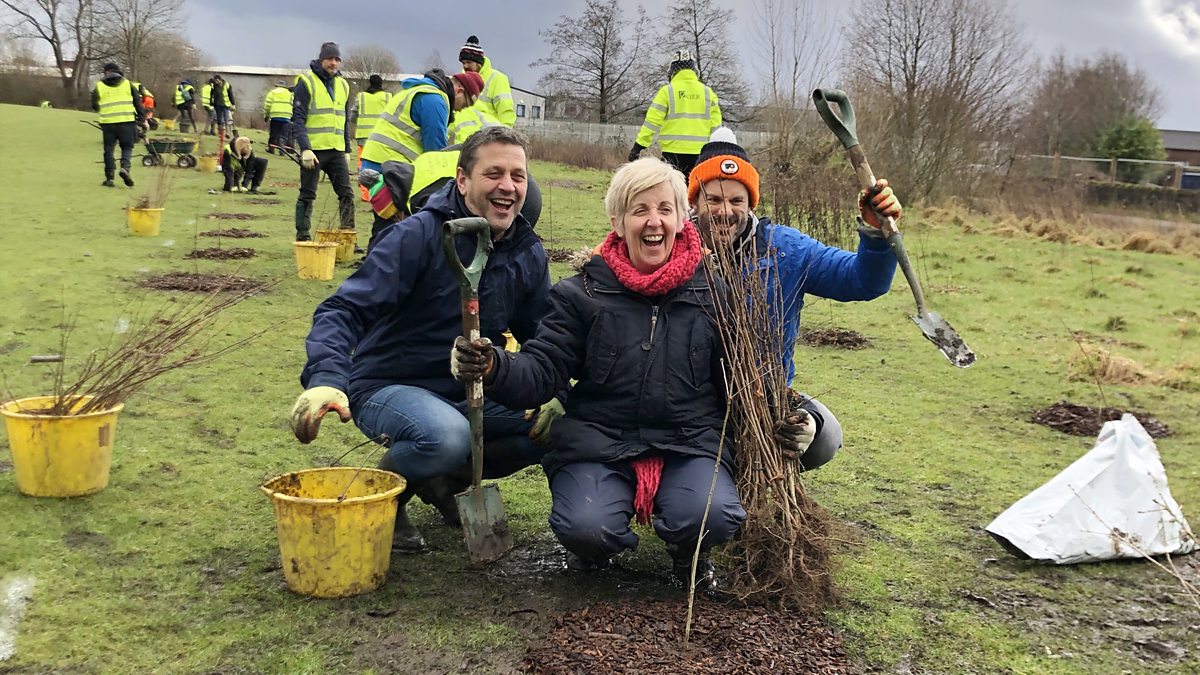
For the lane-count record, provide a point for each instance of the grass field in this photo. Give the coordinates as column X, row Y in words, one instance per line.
column 174, row 568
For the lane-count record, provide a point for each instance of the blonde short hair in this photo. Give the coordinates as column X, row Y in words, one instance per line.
column 640, row 175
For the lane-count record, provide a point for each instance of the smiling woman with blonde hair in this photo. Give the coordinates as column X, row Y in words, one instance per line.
column 643, row 423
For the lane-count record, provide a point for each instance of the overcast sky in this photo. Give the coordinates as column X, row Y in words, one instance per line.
column 1160, row 36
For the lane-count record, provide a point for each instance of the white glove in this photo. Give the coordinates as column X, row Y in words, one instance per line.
column 795, row 433
column 312, row 406
column 308, row 160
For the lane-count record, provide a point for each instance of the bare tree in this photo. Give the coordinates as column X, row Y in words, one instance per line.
column 1075, row 103
column 938, row 82
column 433, row 60
column 68, row 27
column 600, row 59
column 167, row 57
column 363, row 61
column 129, row 28
column 705, row 30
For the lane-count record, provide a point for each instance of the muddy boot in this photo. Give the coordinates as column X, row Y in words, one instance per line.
column 108, row 178
column 406, row 538
column 303, row 221
column 681, row 567
column 439, row 493
column 578, row 563
column 124, row 174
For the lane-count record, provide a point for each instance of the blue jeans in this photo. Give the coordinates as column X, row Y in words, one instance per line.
column 431, row 437
column 593, row 504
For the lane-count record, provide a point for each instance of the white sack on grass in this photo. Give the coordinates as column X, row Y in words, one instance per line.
column 1117, row 491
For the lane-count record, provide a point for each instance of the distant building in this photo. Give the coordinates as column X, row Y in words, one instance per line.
column 1181, row 146
column 530, row 107
column 251, row 83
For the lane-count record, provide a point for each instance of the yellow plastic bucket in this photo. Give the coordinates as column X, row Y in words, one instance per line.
column 315, row 260
column 331, row 548
column 144, row 222
column 207, row 164
column 59, row 456
column 167, row 124
column 346, row 240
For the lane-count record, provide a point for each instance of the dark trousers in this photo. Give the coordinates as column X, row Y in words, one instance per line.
column 279, row 134
column 251, row 178
column 124, row 133
column 186, row 121
column 683, row 163
column 333, row 163
column 593, row 504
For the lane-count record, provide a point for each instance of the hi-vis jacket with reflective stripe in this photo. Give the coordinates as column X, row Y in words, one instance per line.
column 496, row 98
column 278, row 104
column 180, row 98
column 396, row 136
column 683, row 115
column 325, row 123
column 115, row 102
column 369, row 107
column 468, row 121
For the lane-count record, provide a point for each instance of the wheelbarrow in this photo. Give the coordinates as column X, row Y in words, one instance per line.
column 158, row 149
column 485, row 524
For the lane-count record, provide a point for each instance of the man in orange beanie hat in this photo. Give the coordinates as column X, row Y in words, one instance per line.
column 723, row 191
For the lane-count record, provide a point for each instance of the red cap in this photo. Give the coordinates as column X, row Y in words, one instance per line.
column 472, row 83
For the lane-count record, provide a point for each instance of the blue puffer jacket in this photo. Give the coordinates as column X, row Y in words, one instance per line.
column 395, row 319
column 805, row 265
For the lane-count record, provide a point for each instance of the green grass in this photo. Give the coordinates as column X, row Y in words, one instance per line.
column 174, row 567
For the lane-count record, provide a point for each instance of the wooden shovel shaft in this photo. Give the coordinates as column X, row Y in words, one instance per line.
column 866, row 179
column 470, row 318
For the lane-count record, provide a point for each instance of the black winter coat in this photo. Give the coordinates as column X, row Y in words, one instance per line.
column 648, row 370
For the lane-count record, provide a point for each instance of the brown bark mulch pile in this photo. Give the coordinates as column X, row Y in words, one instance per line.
column 199, row 283
column 646, row 636
column 232, row 216
column 261, row 201
column 233, row 233
column 1081, row 420
column 559, row 254
column 284, row 184
column 221, row 253
column 841, row 338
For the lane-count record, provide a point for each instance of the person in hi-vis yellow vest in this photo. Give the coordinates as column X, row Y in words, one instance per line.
column 496, row 98
column 277, row 112
column 320, row 107
column 367, row 109
column 120, row 106
column 682, row 116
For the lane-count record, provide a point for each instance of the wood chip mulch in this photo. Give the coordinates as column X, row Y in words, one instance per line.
column 233, row 233
column 834, row 337
column 646, row 636
column 558, row 254
column 199, row 283
column 1081, row 420
column 221, row 253
column 232, row 216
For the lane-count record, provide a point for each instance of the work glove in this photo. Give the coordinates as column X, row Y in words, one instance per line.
column 542, row 418
column 878, row 202
column 470, row 361
column 311, row 407
column 308, row 160
column 795, row 432
column 636, row 151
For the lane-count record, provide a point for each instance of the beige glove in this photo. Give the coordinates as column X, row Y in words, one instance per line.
column 311, row 407
column 543, row 418
column 308, row 160
column 795, row 433
column 877, row 202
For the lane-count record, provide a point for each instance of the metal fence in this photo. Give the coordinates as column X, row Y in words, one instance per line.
column 621, row 135
column 1112, row 170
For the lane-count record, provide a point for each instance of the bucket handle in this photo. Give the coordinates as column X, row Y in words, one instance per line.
column 382, row 441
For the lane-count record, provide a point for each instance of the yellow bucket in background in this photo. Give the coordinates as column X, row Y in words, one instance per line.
column 59, row 456
column 207, row 164
column 167, row 124
column 144, row 222
column 331, row 548
column 315, row 260
column 346, row 240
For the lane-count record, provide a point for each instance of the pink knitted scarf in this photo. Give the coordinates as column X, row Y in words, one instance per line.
column 685, row 256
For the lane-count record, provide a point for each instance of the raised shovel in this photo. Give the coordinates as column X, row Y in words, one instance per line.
column 933, row 326
column 485, row 525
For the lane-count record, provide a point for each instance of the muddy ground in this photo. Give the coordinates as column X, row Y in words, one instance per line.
column 199, row 283
column 233, row 233
column 221, row 253
column 232, row 216
column 841, row 338
column 1081, row 420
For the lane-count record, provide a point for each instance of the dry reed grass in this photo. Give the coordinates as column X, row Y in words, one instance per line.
column 1092, row 363
column 576, row 153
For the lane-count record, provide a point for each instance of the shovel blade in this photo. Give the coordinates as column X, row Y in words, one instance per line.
column 485, row 525
column 946, row 339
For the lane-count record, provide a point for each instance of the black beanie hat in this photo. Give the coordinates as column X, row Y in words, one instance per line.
column 112, row 68
column 376, row 81
column 329, row 50
column 471, row 51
